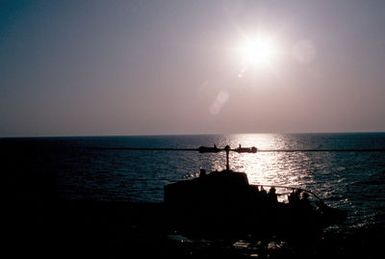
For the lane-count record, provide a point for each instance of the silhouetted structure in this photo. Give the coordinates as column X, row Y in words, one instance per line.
column 224, row 203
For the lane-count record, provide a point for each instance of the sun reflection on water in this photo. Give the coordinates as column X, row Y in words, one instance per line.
column 266, row 168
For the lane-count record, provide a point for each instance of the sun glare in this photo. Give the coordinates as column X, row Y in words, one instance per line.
column 258, row 52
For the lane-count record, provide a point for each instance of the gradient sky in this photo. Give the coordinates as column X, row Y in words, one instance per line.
column 169, row 67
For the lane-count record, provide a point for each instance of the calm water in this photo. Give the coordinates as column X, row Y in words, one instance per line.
column 351, row 180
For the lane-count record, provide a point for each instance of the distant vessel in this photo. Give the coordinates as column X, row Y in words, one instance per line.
column 224, row 203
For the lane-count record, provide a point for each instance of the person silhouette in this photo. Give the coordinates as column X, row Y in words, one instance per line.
column 272, row 195
column 294, row 197
column 304, row 201
column 262, row 193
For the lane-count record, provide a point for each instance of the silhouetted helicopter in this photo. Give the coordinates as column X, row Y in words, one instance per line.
column 223, row 203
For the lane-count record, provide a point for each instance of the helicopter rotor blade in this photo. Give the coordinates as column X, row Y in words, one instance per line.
column 322, row 150
column 203, row 149
column 146, row 148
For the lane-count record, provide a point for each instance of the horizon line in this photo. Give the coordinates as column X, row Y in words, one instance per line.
column 189, row 134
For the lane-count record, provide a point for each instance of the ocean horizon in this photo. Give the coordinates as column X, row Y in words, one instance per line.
column 43, row 172
column 5, row 136
column 84, row 169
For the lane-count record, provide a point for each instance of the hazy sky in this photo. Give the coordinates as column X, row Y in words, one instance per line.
column 166, row 67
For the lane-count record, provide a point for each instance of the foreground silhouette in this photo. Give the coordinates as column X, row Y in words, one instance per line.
column 223, row 203
column 40, row 222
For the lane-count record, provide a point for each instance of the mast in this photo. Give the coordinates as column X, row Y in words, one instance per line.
column 227, row 149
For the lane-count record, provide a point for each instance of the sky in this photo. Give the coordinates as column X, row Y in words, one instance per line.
column 72, row 68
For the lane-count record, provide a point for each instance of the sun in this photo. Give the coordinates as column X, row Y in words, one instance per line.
column 260, row 52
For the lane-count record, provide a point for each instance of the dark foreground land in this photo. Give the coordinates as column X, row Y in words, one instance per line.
column 43, row 225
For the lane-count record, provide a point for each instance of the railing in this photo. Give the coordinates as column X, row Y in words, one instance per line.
column 290, row 188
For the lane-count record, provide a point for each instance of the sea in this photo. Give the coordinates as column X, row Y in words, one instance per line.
column 104, row 169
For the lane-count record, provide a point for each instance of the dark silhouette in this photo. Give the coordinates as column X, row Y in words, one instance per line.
column 224, row 203
column 294, row 197
column 234, row 207
column 272, row 196
column 305, row 199
column 262, row 193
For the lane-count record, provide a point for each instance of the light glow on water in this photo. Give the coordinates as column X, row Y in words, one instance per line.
column 348, row 180
column 265, row 168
